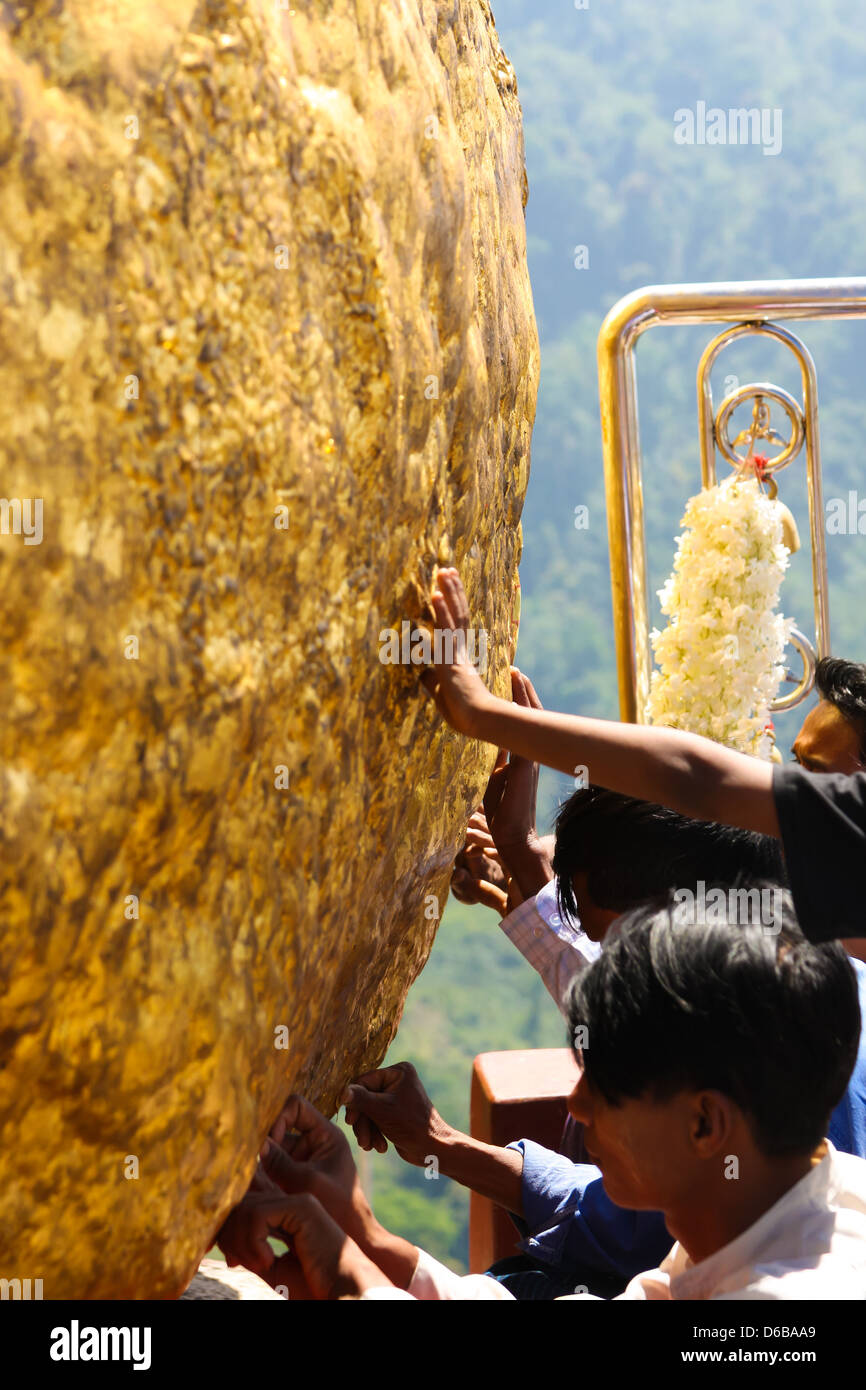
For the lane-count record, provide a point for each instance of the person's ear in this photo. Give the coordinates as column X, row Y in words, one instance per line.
column 711, row 1122
column 579, row 1102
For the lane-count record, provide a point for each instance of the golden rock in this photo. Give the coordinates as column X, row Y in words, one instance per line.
column 269, row 356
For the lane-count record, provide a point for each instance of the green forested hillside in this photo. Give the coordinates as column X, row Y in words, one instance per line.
column 599, row 88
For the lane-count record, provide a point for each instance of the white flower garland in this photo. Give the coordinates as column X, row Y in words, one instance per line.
column 720, row 655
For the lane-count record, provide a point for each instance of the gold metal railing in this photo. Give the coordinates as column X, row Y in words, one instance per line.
column 749, row 306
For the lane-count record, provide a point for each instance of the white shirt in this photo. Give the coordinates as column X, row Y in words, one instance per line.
column 435, row 1282
column 811, row 1244
column 554, row 946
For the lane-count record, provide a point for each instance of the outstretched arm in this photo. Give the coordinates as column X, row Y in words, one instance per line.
column 688, row 773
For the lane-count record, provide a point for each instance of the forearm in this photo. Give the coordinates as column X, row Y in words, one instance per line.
column 393, row 1255
column 528, row 863
column 396, row 1257
column 490, row 1171
column 354, row 1273
column 688, row 773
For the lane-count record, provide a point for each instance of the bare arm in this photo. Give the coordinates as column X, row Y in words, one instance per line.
column 688, row 773
column 484, row 1168
column 510, row 811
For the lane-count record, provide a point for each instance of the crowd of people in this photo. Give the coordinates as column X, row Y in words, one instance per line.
column 698, row 919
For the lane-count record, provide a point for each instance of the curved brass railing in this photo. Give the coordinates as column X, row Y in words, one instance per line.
column 748, row 306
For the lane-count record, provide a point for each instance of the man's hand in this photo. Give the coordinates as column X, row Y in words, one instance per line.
column 478, row 876
column 307, row 1153
column 304, row 1149
column 237, row 1238
column 322, row 1261
column 460, row 693
column 392, row 1104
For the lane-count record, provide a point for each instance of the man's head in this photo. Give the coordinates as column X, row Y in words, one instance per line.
column 706, row 1044
column 833, row 734
column 613, row 852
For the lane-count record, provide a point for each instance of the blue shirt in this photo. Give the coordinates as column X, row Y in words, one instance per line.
column 848, row 1121
column 570, row 1223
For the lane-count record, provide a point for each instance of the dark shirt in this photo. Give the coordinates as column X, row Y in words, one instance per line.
column 822, row 818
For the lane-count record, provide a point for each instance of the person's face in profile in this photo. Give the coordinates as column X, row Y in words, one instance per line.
column 645, row 1148
column 594, row 920
column 828, row 742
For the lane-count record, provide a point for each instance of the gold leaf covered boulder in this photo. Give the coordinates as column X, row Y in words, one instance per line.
column 269, row 356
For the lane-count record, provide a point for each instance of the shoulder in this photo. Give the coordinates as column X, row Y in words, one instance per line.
column 833, row 1279
column 794, row 787
column 848, row 1183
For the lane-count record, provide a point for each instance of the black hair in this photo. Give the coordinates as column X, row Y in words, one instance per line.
column 843, row 683
column 770, row 1020
column 634, row 850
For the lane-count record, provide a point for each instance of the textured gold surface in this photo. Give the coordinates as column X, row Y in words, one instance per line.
column 380, row 145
